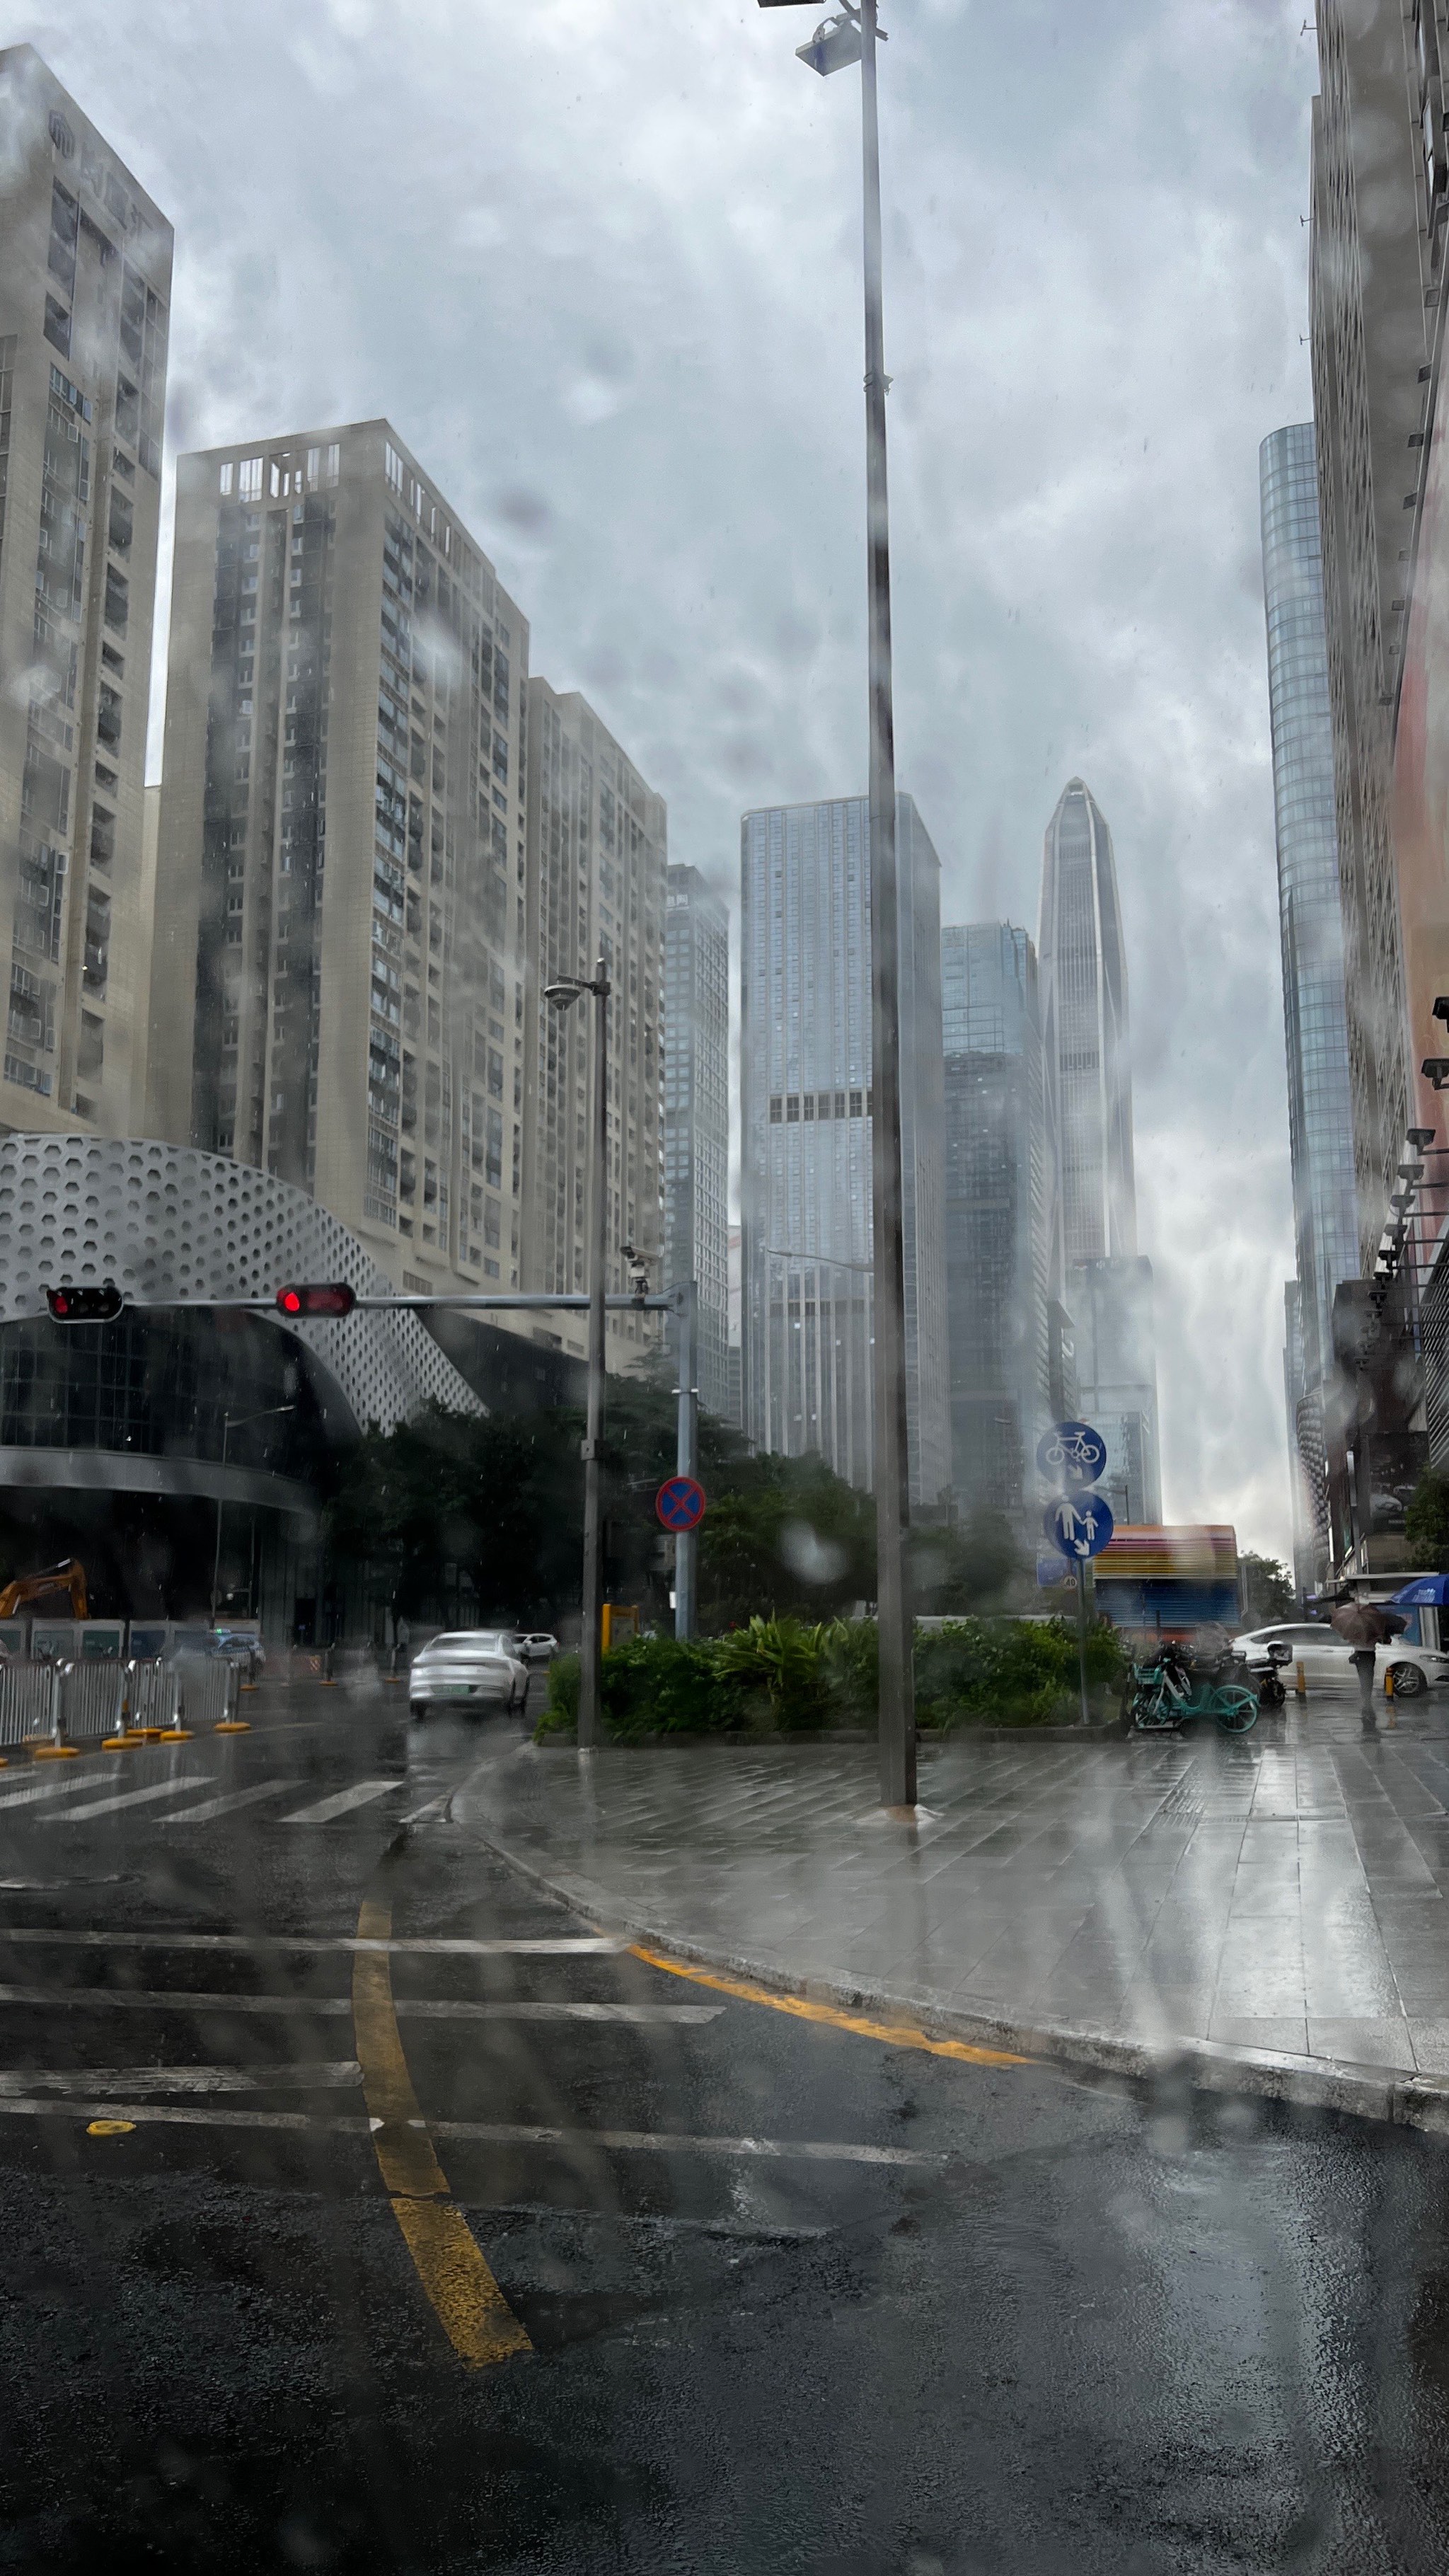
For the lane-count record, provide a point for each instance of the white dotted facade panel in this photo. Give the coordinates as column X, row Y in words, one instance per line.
column 166, row 1222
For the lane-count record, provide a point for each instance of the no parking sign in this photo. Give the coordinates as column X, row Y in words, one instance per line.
column 679, row 1504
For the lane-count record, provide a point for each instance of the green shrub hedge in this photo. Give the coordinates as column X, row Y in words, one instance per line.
column 784, row 1677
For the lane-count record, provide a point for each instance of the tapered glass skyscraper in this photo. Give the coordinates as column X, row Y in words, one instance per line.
column 1093, row 1263
column 1315, row 1008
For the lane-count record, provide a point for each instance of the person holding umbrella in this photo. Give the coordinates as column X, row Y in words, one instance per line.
column 1365, row 1626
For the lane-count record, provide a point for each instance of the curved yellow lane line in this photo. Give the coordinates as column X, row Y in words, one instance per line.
column 896, row 2034
column 471, row 2308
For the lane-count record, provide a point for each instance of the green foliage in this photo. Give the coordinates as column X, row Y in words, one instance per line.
column 1267, row 1589
column 782, row 1670
column 1426, row 1523
column 651, row 1686
column 974, row 1565
column 1009, row 1672
column 786, row 1538
column 788, row 1676
column 504, row 1499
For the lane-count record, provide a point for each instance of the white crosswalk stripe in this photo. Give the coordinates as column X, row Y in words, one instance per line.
column 429, row 1945
column 359, row 1795
column 65, row 1786
column 130, row 1798
column 229, row 1802
column 407, row 2007
column 322, row 2076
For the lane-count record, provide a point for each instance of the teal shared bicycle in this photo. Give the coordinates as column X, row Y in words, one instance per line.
column 1170, row 1689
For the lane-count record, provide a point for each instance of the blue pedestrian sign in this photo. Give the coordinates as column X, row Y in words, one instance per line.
column 1078, row 1526
column 1071, row 1453
column 680, row 1503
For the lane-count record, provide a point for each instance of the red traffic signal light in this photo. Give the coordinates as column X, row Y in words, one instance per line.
column 330, row 1297
column 69, row 1305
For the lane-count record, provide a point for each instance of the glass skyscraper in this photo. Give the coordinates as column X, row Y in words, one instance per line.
column 805, row 1146
column 1094, row 1267
column 1315, row 1013
column 995, row 1213
column 697, row 1115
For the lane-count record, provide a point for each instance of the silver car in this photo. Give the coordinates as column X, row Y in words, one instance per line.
column 471, row 1668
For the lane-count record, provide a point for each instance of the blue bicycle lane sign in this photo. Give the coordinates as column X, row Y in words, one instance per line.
column 1071, row 1453
column 1078, row 1526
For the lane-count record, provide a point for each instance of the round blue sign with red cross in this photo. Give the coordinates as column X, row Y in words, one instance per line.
column 680, row 1503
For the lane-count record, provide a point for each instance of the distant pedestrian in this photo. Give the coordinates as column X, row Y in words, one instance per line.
column 1365, row 1626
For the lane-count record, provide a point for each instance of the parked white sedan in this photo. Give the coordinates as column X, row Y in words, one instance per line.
column 1326, row 1656
column 470, row 1668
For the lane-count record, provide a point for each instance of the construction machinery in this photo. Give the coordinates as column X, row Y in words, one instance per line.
column 69, row 1576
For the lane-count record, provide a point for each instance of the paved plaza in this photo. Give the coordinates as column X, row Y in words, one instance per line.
column 1281, row 1893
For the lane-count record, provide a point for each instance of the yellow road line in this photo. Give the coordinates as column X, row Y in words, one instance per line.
column 896, row 2034
column 471, row 2308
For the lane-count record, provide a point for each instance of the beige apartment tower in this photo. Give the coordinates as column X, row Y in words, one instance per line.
column 85, row 291
column 339, row 996
column 597, row 883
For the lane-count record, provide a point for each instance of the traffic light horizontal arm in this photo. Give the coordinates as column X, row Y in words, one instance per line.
column 666, row 1301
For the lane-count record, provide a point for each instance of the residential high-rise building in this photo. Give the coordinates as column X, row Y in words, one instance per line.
column 697, row 1116
column 85, row 291
column 1093, row 1265
column 805, row 1113
column 1315, row 1009
column 597, row 871
column 994, row 1214
column 338, row 991
column 1376, row 284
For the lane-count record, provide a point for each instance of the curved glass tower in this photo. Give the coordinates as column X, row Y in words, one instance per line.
column 1084, row 1036
column 1094, row 1269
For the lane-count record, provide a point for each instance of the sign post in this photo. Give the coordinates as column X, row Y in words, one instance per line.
column 1079, row 1523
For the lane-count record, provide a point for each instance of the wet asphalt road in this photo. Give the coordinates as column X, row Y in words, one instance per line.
column 998, row 2320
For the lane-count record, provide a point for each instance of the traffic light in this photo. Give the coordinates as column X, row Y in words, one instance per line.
column 330, row 1297
column 69, row 1305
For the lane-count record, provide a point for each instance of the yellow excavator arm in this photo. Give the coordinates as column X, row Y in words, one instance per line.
column 69, row 1576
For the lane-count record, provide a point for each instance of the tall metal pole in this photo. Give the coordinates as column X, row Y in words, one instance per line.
column 1082, row 1636
column 686, row 1542
column 892, row 1487
column 216, row 1553
column 593, row 1602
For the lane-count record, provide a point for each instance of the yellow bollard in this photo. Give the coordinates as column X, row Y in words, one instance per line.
column 1300, row 1682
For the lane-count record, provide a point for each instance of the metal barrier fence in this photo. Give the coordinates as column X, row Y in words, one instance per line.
column 151, row 1694
column 210, row 1687
column 91, row 1699
column 29, row 1700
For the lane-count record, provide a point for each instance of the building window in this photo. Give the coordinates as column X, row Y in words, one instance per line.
column 57, row 326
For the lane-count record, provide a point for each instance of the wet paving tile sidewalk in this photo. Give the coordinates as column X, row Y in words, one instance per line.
column 1285, row 1892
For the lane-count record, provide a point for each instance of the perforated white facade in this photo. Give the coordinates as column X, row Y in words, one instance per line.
column 167, row 1221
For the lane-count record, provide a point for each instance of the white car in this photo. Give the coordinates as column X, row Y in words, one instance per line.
column 470, row 1668
column 537, row 1647
column 1325, row 1656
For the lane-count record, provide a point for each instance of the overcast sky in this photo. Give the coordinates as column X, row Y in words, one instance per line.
column 600, row 265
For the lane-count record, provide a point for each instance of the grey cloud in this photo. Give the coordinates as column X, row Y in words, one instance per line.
column 465, row 218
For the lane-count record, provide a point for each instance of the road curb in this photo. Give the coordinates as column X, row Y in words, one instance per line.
column 1210, row 2066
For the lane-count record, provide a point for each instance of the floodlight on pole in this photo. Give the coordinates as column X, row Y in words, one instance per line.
column 849, row 37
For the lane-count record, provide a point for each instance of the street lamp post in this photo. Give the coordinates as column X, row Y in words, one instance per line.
column 562, row 993
column 852, row 37
column 231, row 1422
